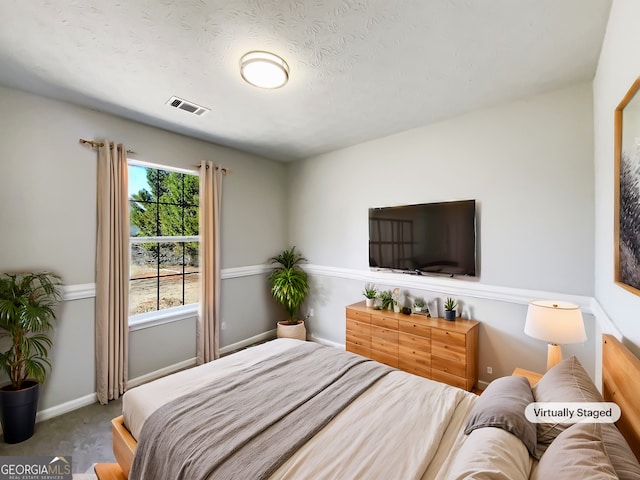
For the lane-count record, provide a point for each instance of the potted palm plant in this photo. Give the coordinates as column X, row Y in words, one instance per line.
column 289, row 287
column 27, row 302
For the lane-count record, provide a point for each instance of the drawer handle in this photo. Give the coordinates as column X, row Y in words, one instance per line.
column 445, row 370
column 446, row 333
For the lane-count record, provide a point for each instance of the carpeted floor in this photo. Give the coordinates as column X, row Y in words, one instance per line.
column 84, row 434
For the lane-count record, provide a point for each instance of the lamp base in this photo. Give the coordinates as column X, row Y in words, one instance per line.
column 554, row 355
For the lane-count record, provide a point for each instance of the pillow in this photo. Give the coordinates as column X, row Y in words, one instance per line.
column 565, row 382
column 622, row 458
column 577, row 452
column 502, row 405
column 489, row 453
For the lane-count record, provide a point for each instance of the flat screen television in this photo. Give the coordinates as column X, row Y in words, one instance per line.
column 437, row 238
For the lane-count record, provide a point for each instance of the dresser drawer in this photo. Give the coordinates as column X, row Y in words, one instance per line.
column 359, row 349
column 358, row 328
column 384, row 333
column 414, row 342
column 415, row 368
column 358, row 339
column 391, row 360
column 449, row 379
column 452, row 353
column 385, row 346
column 414, row 328
column 447, row 337
column 359, row 315
column 458, row 369
column 414, row 356
column 385, row 322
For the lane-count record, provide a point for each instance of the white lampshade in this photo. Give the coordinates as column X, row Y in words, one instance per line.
column 264, row 69
column 555, row 322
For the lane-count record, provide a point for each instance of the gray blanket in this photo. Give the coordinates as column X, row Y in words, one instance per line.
column 247, row 425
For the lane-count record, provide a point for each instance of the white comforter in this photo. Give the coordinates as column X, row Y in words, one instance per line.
column 401, row 428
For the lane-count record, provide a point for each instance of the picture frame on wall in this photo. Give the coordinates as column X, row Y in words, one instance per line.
column 627, row 191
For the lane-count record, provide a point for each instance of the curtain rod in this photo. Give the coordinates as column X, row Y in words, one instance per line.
column 95, row 144
column 224, row 170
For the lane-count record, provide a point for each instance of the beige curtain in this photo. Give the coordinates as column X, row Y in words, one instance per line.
column 207, row 344
column 112, row 273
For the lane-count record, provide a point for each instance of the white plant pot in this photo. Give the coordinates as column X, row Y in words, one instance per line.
column 369, row 302
column 417, row 309
column 297, row 331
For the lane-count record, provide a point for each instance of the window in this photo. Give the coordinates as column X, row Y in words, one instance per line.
column 163, row 208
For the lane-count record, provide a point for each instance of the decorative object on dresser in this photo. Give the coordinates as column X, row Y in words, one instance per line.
column 432, row 307
column 395, row 295
column 430, row 347
column 289, row 287
column 27, row 302
column 370, row 292
column 450, row 309
column 557, row 323
column 418, row 305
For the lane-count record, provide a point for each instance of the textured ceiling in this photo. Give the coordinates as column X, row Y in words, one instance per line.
column 360, row 69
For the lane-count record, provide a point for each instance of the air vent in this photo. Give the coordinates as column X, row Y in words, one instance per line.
column 190, row 107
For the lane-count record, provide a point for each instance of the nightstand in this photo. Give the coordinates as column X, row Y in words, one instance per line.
column 533, row 377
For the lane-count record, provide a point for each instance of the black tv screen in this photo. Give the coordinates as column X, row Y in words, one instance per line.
column 425, row 238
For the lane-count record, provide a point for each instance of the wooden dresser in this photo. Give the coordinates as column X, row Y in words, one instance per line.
column 430, row 347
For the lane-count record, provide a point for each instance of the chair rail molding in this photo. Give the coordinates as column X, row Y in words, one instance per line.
column 466, row 288
column 436, row 284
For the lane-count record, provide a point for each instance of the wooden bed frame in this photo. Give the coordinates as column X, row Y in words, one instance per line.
column 620, row 384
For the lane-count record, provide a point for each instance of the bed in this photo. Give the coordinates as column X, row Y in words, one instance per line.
column 397, row 425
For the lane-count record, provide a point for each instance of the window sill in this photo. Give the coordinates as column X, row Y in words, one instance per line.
column 170, row 315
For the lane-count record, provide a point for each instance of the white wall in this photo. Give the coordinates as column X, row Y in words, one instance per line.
column 48, row 221
column 529, row 165
column 618, row 68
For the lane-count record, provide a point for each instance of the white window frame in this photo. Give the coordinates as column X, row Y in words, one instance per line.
column 167, row 315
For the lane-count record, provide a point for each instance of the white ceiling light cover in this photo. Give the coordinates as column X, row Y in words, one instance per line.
column 264, row 69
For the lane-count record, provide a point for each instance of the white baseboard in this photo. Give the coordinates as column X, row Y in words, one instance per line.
column 66, row 407
column 324, row 341
column 263, row 337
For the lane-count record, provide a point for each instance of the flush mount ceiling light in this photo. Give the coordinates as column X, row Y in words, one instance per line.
column 264, row 69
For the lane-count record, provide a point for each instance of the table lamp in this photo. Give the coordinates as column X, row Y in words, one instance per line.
column 557, row 323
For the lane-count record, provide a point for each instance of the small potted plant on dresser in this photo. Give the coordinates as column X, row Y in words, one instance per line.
column 370, row 292
column 386, row 300
column 450, row 309
column 27, row 302
column 289, row 287
column 418, row 305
